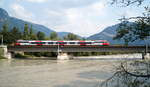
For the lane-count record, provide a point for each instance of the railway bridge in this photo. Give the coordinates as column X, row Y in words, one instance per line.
column 74, row 48
column 62, row 50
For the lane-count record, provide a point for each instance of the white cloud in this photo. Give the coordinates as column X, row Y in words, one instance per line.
column 40, row 1
column 20, row 12
column 83, row 21
column 36, row 1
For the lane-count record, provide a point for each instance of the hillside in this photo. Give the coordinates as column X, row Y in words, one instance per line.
column 108, row 34
column 12, row 21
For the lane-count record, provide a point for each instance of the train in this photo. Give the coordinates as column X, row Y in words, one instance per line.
column 63, row 42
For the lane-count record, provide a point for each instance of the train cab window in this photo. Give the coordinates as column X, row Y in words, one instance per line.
column 99, row 42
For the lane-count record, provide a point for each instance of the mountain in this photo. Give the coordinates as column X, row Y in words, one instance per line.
column 63, row 34
column 108, row 34
column 12, row 21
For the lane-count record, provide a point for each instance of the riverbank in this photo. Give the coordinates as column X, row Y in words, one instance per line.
column 117, row 56
column 1, row 57
column 101, row 57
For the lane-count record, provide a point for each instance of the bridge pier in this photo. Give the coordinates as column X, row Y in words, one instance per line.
column 4, row 52
column 147, row 56
column 63, row 56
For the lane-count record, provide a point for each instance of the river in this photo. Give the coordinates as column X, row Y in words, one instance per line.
column 55, row 73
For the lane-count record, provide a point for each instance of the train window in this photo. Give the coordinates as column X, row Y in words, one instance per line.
column 23, row 42
column 41, row 42
column 81, row 42
column 61, row 42
column 71, row 42
column 88, row 42
column 37, row 42
column 50, row 42
column 84, row 42
column 33, row 42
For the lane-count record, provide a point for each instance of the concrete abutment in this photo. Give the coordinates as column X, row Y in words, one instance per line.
column 64, row 56
column 4, row 52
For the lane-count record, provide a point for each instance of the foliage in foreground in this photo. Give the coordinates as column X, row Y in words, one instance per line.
column 130, row 74
column 139, row 30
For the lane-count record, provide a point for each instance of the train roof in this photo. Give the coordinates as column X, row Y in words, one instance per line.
column 61, row 40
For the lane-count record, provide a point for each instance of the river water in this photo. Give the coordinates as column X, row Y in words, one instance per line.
column 55, row 73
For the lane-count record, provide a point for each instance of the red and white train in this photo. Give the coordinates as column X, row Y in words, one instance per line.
column 50, row 42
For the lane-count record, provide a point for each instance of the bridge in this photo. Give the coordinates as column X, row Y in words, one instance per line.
column 63, row 50
column 74, row 48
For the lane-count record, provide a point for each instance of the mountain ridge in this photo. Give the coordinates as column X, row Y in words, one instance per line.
column 19, row 23
column 109, row 32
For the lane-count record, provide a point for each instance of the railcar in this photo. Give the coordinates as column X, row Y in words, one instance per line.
column 50, row 42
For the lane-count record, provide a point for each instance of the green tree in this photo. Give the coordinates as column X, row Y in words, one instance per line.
column 139, row 30
column 5, row 28
column 136, row 73
column 125, row 32
column 31, row 30
column 6, row 34
column 71, row 36
column 26, row 32
column 32, row 35
column 40, row 35
column 53, row 36
column 15, row 34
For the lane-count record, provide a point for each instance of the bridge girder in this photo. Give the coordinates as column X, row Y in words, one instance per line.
column 77, row 48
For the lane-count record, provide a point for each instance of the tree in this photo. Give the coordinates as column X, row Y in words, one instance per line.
column 136, row 73
column 15, row 34
column 53, row 36
column 31, row 30
column 40, row 35
column 139, row 30
column 127, row 2
column 5, row 28
column 32, row 36
column 6, row 34
column 26, row 32
column 125, row 32
column 71, row 36
column 132, row 74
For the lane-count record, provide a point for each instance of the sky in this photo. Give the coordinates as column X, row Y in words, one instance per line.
column 82, row 17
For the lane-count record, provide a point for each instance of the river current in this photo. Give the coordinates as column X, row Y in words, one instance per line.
column 55, row 73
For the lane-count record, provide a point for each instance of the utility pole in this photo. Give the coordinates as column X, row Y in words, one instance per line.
column 146, row 46
column 1, row 39
column 58, row 50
